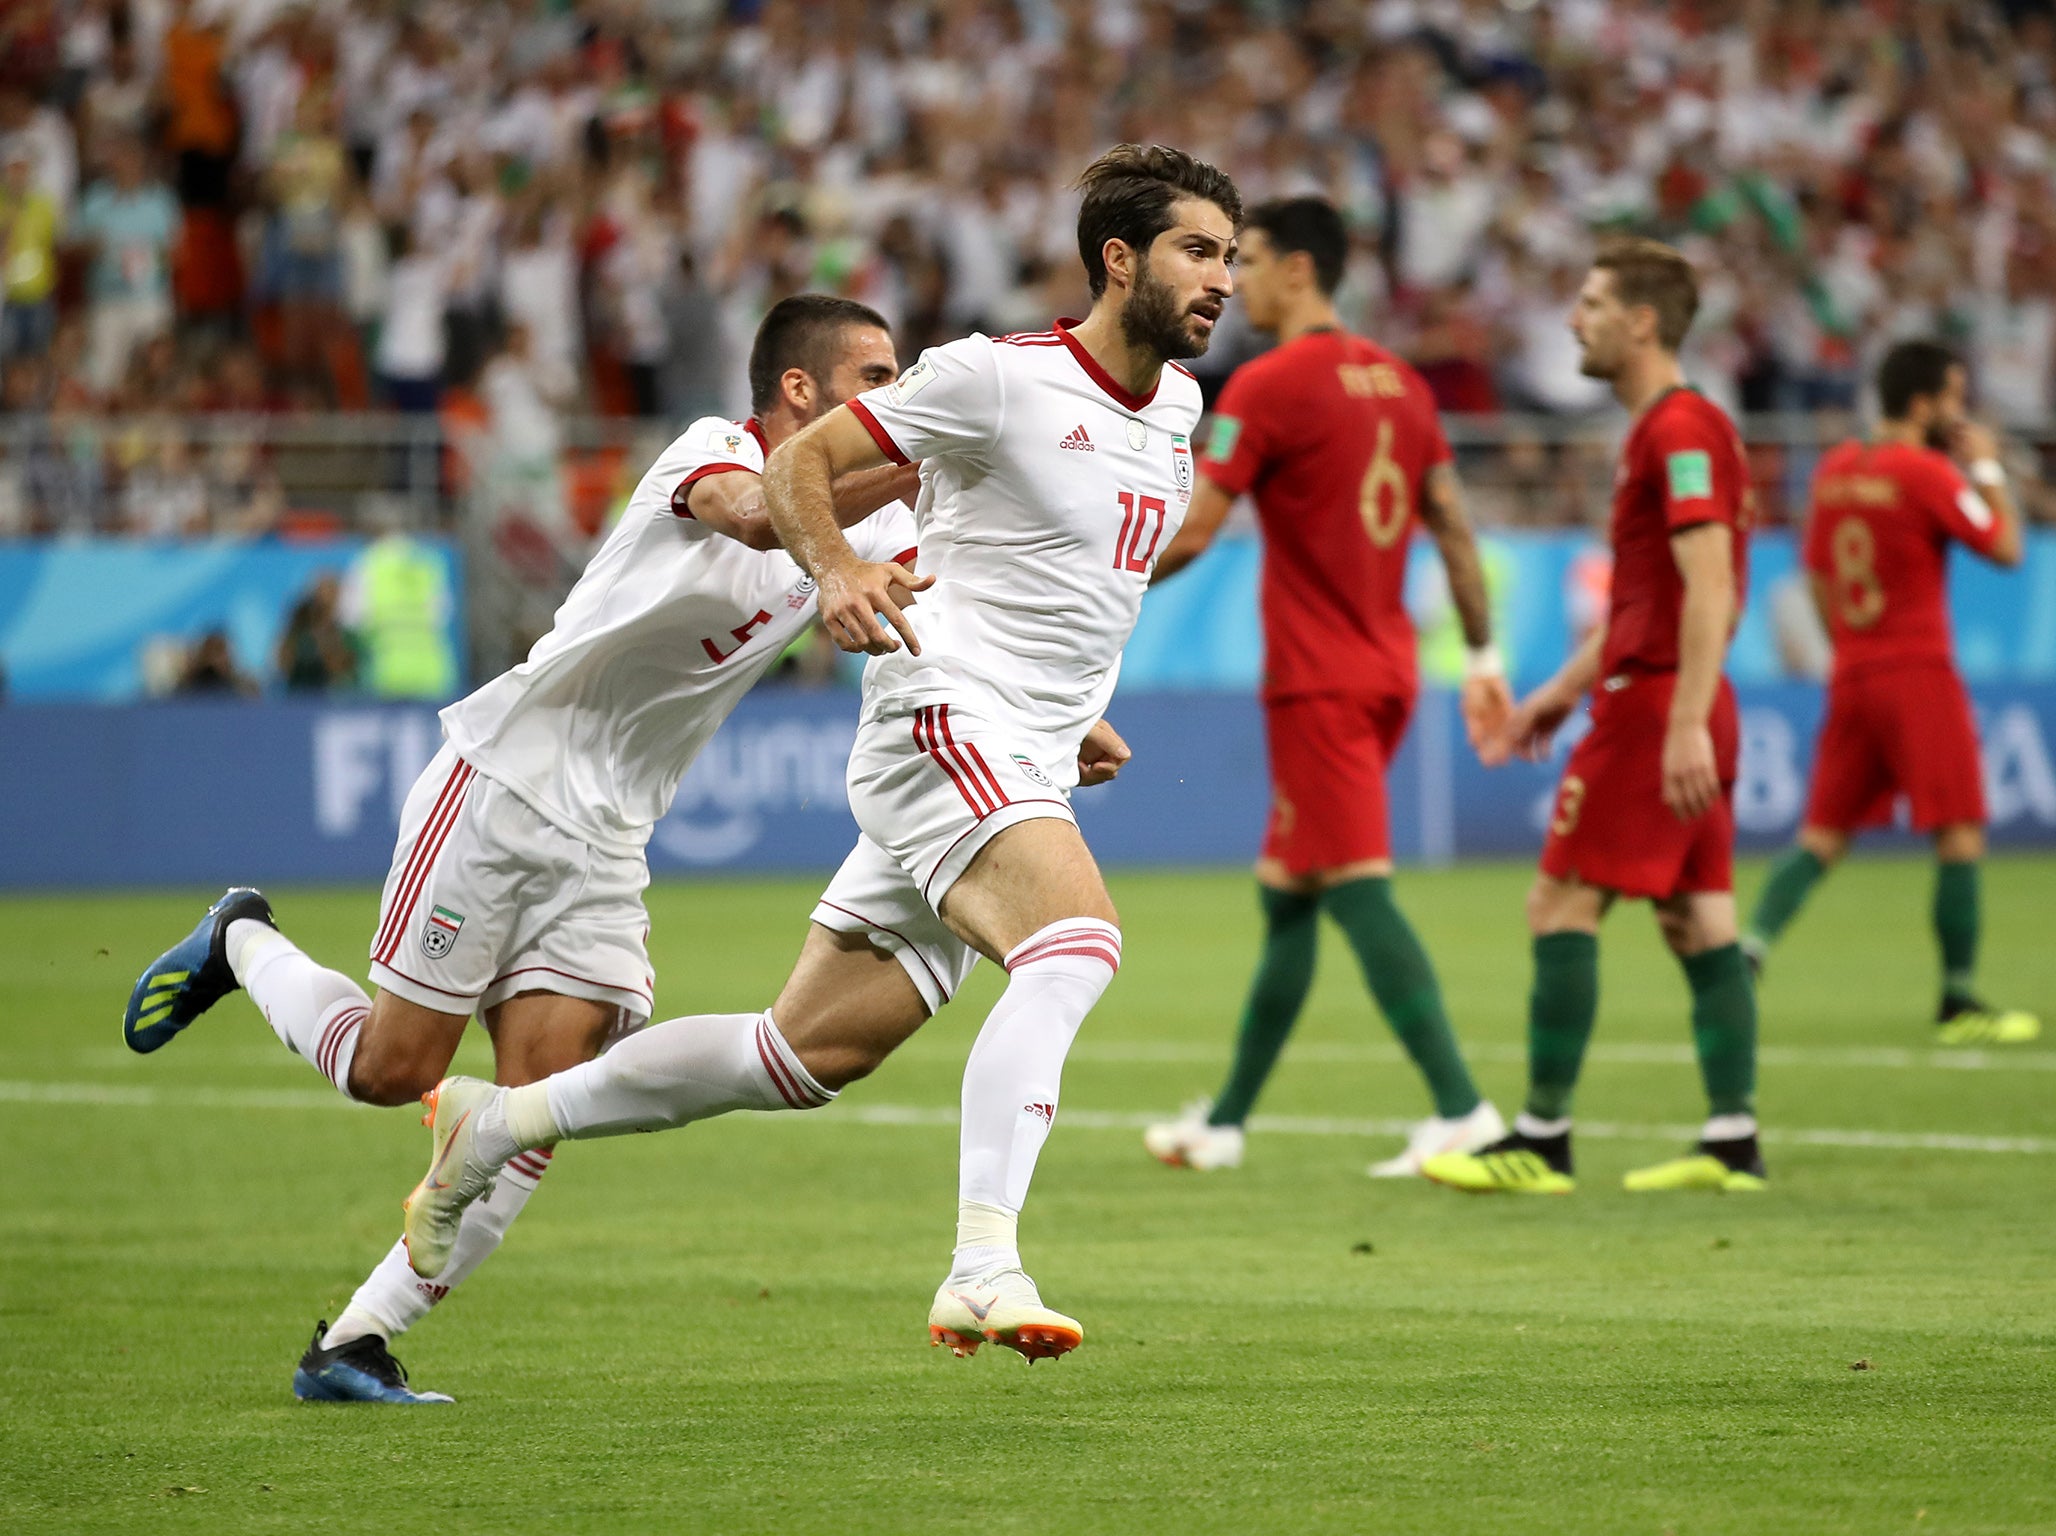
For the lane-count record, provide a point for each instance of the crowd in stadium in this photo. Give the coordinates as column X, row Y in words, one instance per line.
column 571, row 206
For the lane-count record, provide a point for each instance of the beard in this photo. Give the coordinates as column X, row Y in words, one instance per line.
column 1155, row 320
column 1595, row 364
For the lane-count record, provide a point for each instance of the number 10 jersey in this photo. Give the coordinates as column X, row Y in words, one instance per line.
column 1047, row 492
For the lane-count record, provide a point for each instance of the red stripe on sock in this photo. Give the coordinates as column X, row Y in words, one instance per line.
column 1037, row 948
column 1089, row 951
column 340, row 1028
column 775, row 1069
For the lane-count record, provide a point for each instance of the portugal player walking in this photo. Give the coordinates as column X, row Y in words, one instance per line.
column 1339, row 442
column 1898, row 720
column 1644, row 806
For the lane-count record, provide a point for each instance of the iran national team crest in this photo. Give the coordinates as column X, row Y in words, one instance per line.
column 440, row 932
column 1181, row 464
column 1027, row 766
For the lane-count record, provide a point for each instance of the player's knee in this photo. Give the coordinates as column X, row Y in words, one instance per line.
column 1960, row 843
column 836, row 1065
column 1553, row 907
column 385, row 1075
column 1823, row 843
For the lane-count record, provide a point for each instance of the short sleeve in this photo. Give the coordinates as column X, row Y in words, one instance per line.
column 1237, row 446
column 1813, row 548
column 712, row 445
column 1694, row 464
column 949, row 402
column 887, row 534
column 1956, row 506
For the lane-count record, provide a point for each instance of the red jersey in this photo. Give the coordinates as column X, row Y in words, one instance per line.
column 1335, row 437
column 1883, row 518
column 1681, row 466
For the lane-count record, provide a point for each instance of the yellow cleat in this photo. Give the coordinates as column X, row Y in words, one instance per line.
column 1002, row 1308
column 1699, row 1170
column 1509, row 1166
column 1989, row 1026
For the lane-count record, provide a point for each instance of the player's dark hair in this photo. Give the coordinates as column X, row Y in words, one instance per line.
column 1309, row 224
column 802, row 332
column 1913, row 370
column 1129, row 191
column 1650, row 272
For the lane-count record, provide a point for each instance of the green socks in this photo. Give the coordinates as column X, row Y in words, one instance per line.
column 1561, row 1010
column 1283, row 975
column 1403, row 982
column 1956, row 921
column 1724, row 1027
column 1791, row 881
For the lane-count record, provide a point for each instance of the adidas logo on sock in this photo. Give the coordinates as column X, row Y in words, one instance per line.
column 1077, row 440
column 1046, row 1113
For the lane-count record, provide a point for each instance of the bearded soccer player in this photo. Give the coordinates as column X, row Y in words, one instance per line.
column 1338, row 441
column 516, row 888
column 1898, row 720
column 1644, row 808
column 1054, row 467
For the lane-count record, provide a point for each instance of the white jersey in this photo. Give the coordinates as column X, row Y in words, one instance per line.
column 1047, row 491
column 668, row 627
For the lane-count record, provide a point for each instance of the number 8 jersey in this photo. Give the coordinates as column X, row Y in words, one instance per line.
column 1047, row 490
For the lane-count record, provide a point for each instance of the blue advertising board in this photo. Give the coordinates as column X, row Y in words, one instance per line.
column 208, row 792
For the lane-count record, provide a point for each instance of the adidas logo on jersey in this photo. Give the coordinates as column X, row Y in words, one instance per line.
column 1077, row 440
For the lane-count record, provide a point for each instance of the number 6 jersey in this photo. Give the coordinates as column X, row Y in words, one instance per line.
column 1047, row 490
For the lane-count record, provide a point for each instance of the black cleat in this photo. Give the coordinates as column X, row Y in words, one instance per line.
column 190, row 977
column 361, row 1371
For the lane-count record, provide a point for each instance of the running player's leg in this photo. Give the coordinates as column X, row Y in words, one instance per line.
column 1815, row 851
column 1852, row 787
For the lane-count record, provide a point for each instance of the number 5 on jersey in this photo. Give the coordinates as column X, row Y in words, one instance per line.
column 1138, row 515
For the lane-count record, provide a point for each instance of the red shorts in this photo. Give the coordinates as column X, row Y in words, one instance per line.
column 1328, row 758
column 1895, row 731
column 1609, row 826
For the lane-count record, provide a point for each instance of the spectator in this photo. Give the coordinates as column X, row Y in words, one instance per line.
column 211, row 671
column 314, row 651
column 411, row 345
column 166, row 495
column 28, row 258
column 128, row 223
column 397, row 602
column 306, row 178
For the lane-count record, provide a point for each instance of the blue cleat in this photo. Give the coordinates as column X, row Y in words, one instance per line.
column 190, row 977
column 361, row 1371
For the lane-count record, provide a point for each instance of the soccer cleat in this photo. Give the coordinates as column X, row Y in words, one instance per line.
column 1189, row 1142
column 1514, row 1164
column 361, row 1371
column 1978, row 1024
column 456, row 1175
column 191, row 976
column 1731, row 1167
column 1466, row 1133
column 1000, row 1308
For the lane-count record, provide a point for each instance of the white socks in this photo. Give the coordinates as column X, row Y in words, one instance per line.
column 394, row 1298
column 315, row 1011
column 1538, row 1129
column 668, row 1075
column 1728, row 1128
column 1011, row 1080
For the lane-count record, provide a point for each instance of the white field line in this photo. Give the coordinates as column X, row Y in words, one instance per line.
column 124, row 1096
column 1334, row 1053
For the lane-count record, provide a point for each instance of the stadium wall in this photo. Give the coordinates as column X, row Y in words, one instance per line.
column 200, row 792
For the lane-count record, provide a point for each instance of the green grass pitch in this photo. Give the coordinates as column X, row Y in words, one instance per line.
column 722, row 1330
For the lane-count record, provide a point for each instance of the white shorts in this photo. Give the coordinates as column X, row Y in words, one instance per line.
column 487, row 899
column 929, row 789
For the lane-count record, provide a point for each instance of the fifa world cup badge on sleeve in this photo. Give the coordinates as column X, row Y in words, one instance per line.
column 440, row 932
column 1691, row 474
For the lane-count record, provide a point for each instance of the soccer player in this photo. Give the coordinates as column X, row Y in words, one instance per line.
column 1053, row 469
column 1339, row 441
column 1644, row 808
column 516, row 886
column 1898, row 721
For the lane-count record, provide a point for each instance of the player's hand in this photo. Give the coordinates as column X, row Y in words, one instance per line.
column 854, row 595
column 1487, row 705
column 1691, row 782
column 1973, row 440
column 1101, row 755
column 1529, row 729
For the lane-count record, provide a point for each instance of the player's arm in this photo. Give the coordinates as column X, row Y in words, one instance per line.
column 1534, row 722
column 1203, row 519
column 733, row 504
column 799, row 498
column 1486, row 701
column 1979, row 446
column 1705, row 556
